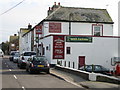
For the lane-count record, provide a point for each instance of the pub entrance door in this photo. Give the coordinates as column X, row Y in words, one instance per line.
column 81, row 61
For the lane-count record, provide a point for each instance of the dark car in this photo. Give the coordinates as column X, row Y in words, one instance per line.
column 16, row 57
column 96, row 69
column 12, row 54
column 38, row 64
column 24, row 57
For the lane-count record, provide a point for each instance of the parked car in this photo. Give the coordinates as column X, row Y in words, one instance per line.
column 16, row 57
column 38, row 63
column 96, row 69
column 24, row 57
column 12, row 54
column 1, row 53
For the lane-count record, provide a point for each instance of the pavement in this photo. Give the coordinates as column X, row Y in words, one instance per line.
column 78, row 81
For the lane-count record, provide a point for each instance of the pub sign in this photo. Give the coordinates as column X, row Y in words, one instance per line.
column 58, row 47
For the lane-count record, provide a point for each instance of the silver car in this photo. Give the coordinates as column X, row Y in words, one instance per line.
column 24, row 57
column 16, row 57
column 1, row 53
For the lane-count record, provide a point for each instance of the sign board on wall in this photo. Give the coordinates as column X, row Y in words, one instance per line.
column 54, row 27
column 78, row 39
column 38, row 29
column 58, row 47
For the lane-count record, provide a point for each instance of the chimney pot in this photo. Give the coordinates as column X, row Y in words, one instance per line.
column 54, row 3
column 29, row 26
column 59, row 3
column 49, row 8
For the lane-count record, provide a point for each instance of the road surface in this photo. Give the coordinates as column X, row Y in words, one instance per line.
column 15, row 78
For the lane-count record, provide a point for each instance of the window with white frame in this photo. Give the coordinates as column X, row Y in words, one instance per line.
column 97, row 30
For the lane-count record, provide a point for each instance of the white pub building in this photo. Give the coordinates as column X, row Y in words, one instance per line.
column 77, row 37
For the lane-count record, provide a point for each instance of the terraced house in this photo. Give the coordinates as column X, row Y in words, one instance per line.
column 76, row 36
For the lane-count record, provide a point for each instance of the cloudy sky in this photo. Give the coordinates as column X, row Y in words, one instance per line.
column 33, row 11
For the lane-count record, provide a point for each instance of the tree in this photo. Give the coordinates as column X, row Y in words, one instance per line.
column 5, row 47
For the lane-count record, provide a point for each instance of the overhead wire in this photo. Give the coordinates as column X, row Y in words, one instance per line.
column 12, row 8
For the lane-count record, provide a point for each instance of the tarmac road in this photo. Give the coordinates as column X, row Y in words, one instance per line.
column 13, row 77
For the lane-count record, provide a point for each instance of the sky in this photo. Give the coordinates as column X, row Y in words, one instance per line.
column 34, row 11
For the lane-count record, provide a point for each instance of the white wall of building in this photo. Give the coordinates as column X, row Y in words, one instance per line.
column 27, row 41
column 100, row 51
column 107, row 30
column 21, row 40
column 78, row 28
column 48, row 42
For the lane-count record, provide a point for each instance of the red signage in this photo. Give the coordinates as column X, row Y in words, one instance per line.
column 38, row 29
column 58, row 47
column 54, row 27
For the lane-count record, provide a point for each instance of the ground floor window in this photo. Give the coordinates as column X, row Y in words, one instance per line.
column 69, row 64
column 43, row 51
column 68, row 50
column 65, row 63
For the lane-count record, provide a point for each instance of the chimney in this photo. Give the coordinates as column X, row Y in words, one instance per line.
column 49, row 8
column 53, row 8
column 59, row 4
column 55, row 3
column 49, row 11
column 29, row 26
column 15, row 34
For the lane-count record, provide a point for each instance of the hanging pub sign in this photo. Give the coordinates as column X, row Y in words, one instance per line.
column 78, row 39
column 58, row 47
column 54, row 27
column 38, row 29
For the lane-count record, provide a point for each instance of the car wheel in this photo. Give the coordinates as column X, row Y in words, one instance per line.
column 27, row 69
column 17, row 64
column 20, row 66
column 30, row 71
column 48, row 71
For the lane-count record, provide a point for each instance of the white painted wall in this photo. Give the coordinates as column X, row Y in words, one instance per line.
column 100, row 51
column 48, row 41
column 78, row 28
column 26, row 42
column 81, row 29
column 21, row 44
column 107, row 30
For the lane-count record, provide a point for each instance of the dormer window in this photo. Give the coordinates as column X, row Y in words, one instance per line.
column 97, row 30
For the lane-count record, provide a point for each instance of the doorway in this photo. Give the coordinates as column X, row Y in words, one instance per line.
column 81, row 61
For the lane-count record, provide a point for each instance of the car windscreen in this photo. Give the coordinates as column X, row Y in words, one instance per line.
column 12, row 53
column 40, row 59
column 29, row 53
column 17, row 54
column 33, row 53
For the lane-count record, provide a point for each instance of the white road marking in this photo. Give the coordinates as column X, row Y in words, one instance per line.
column 15, row 77
column 23, row 88
column 10, row 70
column 5, row 63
